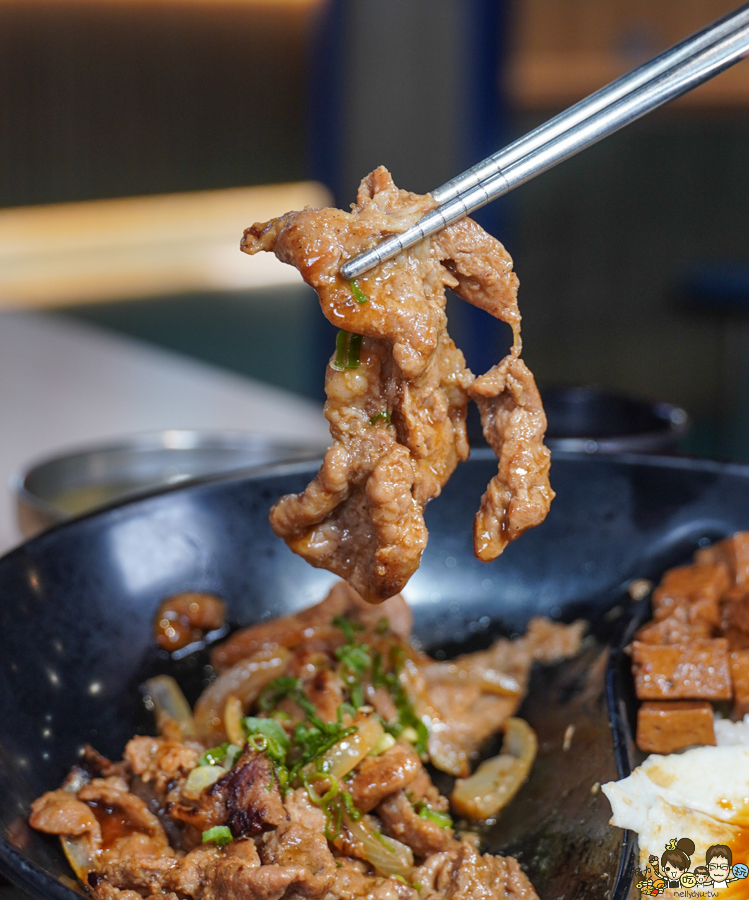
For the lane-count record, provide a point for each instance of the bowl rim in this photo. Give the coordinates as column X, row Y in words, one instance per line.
column 177, row 439
column 311, row 465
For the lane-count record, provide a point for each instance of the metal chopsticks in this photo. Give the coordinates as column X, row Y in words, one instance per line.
column 675, row 72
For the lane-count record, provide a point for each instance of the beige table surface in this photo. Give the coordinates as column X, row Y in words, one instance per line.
column 63, row 385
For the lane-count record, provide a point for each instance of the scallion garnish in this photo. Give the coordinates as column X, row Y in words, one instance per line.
column 382, row 416
column 219, row 834
column 215, row 756
column 433, row 815
column 348, row 628
column 358, row 293
column 407, row 717
column 354, row 658
column 384, row 841
column 297, row 756
column 311, row 739
column 347, row 351
column 383, row 625
column 276, row 740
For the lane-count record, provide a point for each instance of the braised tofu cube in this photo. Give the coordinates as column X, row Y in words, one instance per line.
column 673, row 630
column 698, row 670
column 664, row 727
column 692, row 593
column 736, row 610
column 733, row 552
column 739, row 662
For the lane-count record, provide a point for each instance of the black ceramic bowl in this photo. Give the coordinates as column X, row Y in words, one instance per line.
column 590, row 420
column 77, row 604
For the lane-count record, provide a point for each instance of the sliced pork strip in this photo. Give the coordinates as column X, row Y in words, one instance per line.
column 483, row 272
column 377, row 777
column 397, row 417
column 464, row 874
column 514, row 424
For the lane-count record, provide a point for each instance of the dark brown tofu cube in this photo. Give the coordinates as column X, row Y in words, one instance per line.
column 673, row 630
column 736, row 610
column 698, row 670
column 664, row 727
column 692, row 593
column 739, row 662
column 737, row 640
column 733, row 552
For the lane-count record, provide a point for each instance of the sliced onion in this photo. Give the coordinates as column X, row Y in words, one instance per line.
column 244, row 680
column 202, row 777
column 80, row 854
column 387, row 741
column 467, row 671
column 233, row 720
column 497, row 780
column 79, row 849
column 349, row 752
column 445, row 753
column 170, row 704
column 388, row 856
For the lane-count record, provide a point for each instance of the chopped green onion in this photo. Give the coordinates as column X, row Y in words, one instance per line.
column 383, row 840
column 219, row 834
column 324, row 799
column 232, row 755
column 355, row 656
column 354, row 350
column 277, row 690
column 382, row 626
column 353, row 812
column 215, row 756
column 382, row 416
column 408, row 725
column 276, row 740
column 433, row 815
column 202, row 777
column 357, row 695
column 333, row 817
column 347, row 351
column 341, row 350
column 348, row 627
column 358, row 293
column 385, row 743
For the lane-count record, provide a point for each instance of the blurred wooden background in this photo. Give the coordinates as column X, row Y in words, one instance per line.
column 119, row 98
column 107, row 98
column 565, row 49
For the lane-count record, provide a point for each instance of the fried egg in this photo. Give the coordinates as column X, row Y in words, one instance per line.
column 701, row 793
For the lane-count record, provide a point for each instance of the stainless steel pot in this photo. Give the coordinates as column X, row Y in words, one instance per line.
column 66, row 486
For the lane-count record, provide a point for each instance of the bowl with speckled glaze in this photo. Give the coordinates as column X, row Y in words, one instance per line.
column 78, row 602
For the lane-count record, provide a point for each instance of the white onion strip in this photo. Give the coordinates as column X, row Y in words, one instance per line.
column 349, row 752
column 244, row 680
column 497, row 780
column 169, row 703
column 388, row 856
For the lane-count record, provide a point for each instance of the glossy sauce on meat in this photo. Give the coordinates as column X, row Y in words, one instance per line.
column 398, row 390
column 327, row 795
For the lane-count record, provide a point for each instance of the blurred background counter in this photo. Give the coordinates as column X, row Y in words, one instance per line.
column 64, row 385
